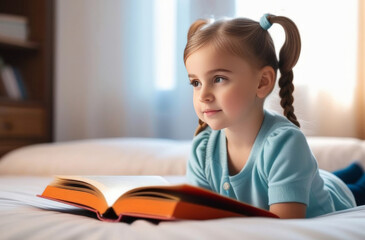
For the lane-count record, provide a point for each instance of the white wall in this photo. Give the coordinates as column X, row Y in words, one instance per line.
column 105, row 69
column 88, row 57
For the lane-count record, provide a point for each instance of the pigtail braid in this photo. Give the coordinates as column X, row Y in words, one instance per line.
column 202, row 125
column 288, row 57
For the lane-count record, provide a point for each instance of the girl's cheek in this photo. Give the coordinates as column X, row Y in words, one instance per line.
column 233, row 101
column 237, row 102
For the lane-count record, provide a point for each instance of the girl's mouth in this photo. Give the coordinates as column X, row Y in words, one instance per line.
column 210, row 112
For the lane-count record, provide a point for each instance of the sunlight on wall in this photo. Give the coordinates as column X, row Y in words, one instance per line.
column 329, row 39
column 165, row 40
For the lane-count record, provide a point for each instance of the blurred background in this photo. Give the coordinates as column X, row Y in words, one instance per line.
column 118, row 66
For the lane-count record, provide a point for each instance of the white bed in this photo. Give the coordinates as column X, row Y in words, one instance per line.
column 26, row 171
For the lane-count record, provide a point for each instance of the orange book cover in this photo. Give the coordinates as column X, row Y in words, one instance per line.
column 113, row 197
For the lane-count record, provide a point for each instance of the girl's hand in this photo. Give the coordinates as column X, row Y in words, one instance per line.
column 289, row 210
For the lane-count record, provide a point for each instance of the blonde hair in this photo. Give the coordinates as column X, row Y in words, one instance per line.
column 247, row 39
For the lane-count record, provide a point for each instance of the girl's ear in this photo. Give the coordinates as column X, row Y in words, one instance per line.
column 267, row 82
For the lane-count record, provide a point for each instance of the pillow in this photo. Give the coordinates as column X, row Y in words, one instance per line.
column 334, row 153
column 119, row 156
column 145, row 156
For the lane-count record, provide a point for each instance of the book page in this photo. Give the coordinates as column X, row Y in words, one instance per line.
column 113, row 187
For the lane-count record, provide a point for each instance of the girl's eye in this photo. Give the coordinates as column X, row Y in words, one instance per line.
column 219, row 79
column 195, row 83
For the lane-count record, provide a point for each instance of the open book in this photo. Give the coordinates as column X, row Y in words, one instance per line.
column 112, row 197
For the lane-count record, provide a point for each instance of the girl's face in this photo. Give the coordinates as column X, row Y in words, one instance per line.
column 225, row 88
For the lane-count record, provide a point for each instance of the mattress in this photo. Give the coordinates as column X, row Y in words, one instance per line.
column 25, row 216
column 26, row 172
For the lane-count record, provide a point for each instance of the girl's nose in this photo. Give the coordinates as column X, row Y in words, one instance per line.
column 206, row 95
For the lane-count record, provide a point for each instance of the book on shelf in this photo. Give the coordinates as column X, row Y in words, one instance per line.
column 12, row 83
column 3, row 90
column 20, row 83
column 151, row 197
column 13, row 27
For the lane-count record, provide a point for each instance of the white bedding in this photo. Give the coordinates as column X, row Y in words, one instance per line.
column 25, row 216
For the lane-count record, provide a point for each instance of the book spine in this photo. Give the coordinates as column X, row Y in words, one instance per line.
column 13, row 26
column 3, row 92
column 20, row 83
column 10, row 82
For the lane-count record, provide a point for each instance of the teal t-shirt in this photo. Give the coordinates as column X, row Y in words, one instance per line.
column 281, row 168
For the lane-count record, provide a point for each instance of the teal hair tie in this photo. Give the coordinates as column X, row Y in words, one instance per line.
column 264, row 22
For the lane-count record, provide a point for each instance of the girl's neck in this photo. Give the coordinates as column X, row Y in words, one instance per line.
column 240, row 141
column 245, row 134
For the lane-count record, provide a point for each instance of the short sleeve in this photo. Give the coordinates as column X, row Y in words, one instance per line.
column 196, row 166
column 289, row 165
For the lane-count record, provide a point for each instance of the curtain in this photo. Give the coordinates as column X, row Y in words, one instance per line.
column 108, row 71
column 325, row 76
column 361, row 72
column 110, row 81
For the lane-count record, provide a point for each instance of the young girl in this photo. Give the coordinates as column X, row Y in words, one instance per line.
column 241, row 150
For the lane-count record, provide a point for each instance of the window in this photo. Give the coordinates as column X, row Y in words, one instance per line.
column 164, row 42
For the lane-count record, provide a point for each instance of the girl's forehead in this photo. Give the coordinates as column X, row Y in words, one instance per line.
column 206, row 60
column 211, row 53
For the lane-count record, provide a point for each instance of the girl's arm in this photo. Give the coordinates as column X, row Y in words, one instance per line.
column 289, row 210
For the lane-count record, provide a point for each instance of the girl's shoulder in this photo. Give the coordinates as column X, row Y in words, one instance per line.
column 207, row 141
column 277, row 126
column 206, row 136
column 282, row 149
column 279, row 135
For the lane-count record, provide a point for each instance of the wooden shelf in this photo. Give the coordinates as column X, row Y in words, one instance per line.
column 7, row 102
column 29, row 121
column 10, row 43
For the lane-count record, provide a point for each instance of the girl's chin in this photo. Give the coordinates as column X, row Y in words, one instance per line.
column 215, row 127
